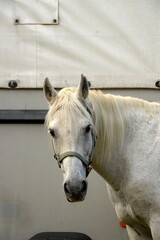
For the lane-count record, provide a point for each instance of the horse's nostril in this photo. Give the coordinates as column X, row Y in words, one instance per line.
column 66, row 188
column 84, row 186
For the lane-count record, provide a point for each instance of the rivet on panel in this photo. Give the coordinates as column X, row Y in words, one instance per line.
column 12, row 84
column 158, row 84
column 55, row 20
column 16, row 21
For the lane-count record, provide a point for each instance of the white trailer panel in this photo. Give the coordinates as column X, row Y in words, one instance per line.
column 115, row 43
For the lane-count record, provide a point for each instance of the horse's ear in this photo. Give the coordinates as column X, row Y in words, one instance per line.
column 83, row 88
column 49, row 91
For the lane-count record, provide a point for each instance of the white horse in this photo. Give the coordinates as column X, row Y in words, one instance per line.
column 121, row 137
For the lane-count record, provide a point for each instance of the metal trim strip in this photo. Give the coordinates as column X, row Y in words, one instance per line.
column 22, row 116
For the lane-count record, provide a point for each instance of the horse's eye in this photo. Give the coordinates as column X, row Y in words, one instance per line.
column 51, row 131
column 88, row 128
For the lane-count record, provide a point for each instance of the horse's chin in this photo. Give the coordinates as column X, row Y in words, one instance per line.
column 73, row 199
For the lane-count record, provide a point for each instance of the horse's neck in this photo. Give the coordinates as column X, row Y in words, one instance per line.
column 110, row 152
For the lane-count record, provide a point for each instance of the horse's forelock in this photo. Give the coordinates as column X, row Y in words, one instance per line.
column 70, row 106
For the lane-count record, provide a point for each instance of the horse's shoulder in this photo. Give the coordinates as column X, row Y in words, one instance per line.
column 118, row 200
column 127, row 206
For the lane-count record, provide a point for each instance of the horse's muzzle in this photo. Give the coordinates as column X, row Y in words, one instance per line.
column 75, row 190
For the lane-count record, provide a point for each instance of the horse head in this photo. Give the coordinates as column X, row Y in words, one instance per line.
column 71, row 126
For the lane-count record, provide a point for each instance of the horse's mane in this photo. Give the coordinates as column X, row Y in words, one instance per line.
column 122, row 102
column 111, row 114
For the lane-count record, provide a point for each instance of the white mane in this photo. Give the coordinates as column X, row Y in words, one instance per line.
column 112, row 115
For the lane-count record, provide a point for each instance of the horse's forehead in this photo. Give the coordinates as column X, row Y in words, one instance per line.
column 61, row 117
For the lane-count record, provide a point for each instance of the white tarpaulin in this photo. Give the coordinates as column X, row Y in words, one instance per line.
column 116, row 44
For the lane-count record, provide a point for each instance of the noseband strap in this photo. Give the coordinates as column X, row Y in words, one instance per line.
column 71, row 154
column 74, row 154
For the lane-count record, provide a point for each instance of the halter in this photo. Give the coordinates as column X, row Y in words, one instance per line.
column 75, row 154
